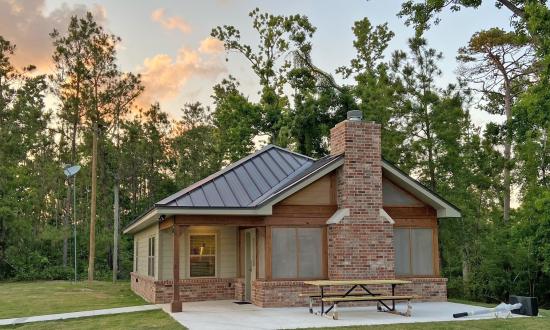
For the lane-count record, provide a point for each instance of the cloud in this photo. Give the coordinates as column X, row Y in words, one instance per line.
column 164, row 76
column 170, row 23
column 211, row 45
column 25, row 23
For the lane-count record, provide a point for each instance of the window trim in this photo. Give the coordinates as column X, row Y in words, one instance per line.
column 269, row 254
column 435, row 251
column 188, row 253
column 151, row 256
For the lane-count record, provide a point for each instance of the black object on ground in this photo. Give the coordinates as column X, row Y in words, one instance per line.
column 242, row 302
column 529, row 305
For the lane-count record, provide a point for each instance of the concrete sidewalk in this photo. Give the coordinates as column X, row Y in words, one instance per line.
column 225, row 315
column 75, row 315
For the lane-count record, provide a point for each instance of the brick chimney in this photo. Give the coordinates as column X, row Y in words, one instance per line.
column 361, row 244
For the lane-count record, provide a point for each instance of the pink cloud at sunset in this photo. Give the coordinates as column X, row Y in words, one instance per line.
column 211, row 45
column 26, row 24
column 170, row 23
column 164, row 76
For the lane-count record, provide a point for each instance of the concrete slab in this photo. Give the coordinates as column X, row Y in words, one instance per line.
column 74, row 315
column 226, row 315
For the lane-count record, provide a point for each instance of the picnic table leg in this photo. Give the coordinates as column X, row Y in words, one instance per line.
column 322, row 302
column 345, row 295
column 393, row 294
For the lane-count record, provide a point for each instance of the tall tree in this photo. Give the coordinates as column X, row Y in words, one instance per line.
column 421, row 14
column 27, row 168
column 377, row 91
column 125, row 89
column 71, row 53
column 278, row 36
column 237, row 120
column 500, row 64
column 91, row 86
column 195, row 145
column 420, row 98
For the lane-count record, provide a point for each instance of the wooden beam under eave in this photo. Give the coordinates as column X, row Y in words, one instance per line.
column 244, row 221
column 166, row 224
column 175, row 305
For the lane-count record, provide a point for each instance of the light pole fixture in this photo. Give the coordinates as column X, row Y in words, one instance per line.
column 70, row 172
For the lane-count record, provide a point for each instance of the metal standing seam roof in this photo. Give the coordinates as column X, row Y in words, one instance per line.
column 245, row 183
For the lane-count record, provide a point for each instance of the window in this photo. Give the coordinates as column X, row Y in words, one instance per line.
column 202, row 255
column 414, row 255
column 151, row 257
column 136, row 250
column 297, row 252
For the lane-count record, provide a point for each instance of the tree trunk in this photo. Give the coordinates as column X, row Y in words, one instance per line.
column 507, row 152
column 91, row 259
column 115, row 230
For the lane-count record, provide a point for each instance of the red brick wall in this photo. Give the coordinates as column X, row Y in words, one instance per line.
column 143, row 286
column 160, row 292
column 425, row 289
column 361, row 246
column 287, row 293
column 280, row 293
column 239, row 289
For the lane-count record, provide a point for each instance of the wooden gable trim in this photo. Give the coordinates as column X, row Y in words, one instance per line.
column 410, row 212
column 319, row 192
column 420, row 203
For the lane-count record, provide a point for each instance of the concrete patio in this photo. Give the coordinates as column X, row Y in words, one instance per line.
column 226, row 315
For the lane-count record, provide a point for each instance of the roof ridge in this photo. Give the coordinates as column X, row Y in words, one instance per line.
column 291, row 152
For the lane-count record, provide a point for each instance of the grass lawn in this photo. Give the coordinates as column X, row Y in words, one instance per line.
column 51, row 297
column 136, row 321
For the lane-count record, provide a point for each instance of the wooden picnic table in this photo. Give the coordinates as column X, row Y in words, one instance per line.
column 349, row 295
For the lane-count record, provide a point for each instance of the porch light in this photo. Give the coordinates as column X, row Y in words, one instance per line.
column 202, row 249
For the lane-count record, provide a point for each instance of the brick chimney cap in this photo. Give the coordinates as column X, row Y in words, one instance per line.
column 355, row 115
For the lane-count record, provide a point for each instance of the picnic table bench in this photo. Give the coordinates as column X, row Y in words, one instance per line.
column 351, row 296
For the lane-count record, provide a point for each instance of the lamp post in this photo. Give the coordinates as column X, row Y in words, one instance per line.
column 70, row 172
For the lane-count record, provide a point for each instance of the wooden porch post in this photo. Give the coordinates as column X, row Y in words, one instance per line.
column 175, row 306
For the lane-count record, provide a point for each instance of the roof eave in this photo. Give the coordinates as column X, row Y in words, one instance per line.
column 154, row 214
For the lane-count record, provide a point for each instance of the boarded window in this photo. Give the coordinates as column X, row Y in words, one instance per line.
column 151, row 257
column 202, row 255
column 297, row 252
column 414, row 255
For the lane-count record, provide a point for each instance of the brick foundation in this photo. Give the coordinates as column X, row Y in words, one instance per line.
column 143, row 286
column 160, row 292
column 425, row 289
column 239, row 289
column 287, row 293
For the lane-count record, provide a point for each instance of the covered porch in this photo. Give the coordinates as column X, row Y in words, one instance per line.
column 231, row 257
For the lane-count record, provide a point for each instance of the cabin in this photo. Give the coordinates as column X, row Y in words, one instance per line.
column 255, row 230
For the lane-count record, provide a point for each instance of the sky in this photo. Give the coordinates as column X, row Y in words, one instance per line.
column 168, row 42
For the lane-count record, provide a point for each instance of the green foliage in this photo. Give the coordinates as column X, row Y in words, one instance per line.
column 426, row 131
column 422, row 14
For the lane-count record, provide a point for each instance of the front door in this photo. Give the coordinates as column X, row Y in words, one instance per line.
column 249, row 261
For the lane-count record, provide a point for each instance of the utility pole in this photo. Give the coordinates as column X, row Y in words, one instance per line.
column 70, row 172
column 91, row 258
column 115, row 230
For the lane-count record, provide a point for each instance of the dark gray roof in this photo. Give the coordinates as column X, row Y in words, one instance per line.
column 245, row 183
